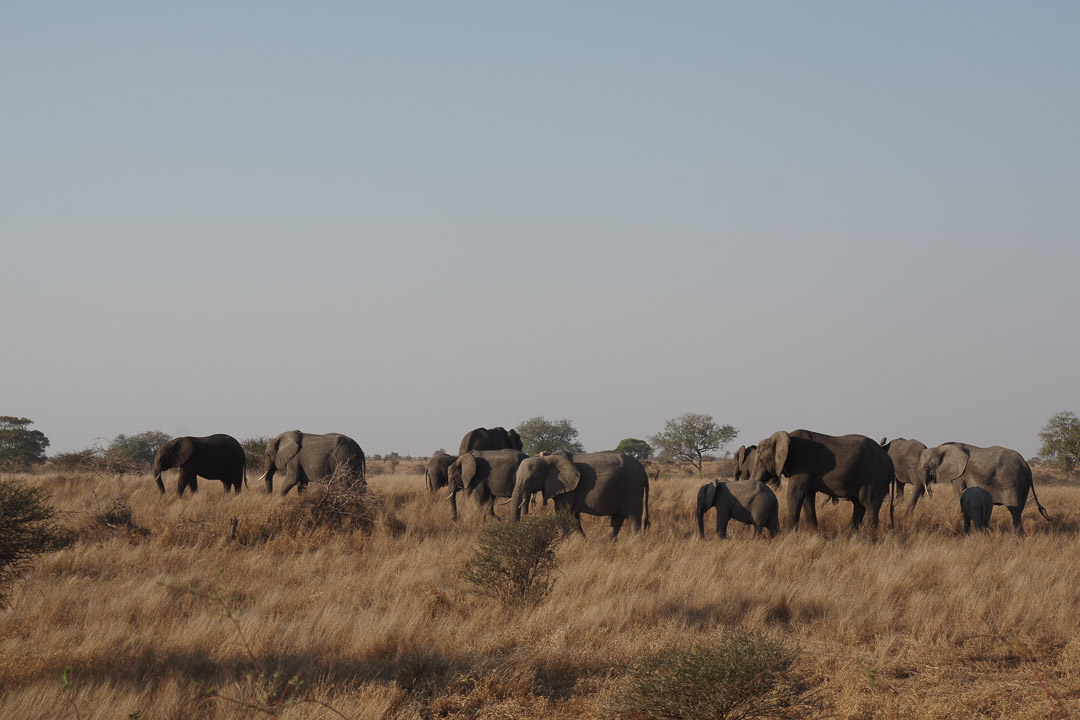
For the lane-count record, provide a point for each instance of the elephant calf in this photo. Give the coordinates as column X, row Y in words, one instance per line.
column 747, row 501
column 976, row 504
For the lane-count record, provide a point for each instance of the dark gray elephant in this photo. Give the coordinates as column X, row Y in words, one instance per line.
column 495, row 438
column 976, row 505
column 484, row 474
column 214, row 457
column 905, row 455
column 850, row 467
column 304, row 457
column 746, row 501
column 435, row 472
column 745, row 459
column 603, row 483
column 1000, row 470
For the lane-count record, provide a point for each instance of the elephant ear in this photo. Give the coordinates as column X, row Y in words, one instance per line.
column 562, row 476
column 740, row 458
column 954, row 462
column 468, row 471
column 781, row 446
column 287, row 448
column 515, row 440
column 710, row 492
column 185, row 450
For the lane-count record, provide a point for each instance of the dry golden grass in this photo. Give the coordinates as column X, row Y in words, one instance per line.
column 155, row 615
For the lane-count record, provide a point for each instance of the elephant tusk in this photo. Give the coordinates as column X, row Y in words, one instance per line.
column 263, row 475
column 450, row 496
column 507, row 501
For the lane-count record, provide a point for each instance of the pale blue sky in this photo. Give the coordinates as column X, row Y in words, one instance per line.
column 404, row 220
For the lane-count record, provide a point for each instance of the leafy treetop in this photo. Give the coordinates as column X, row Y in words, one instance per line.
column 691, row 435
column 538, row 434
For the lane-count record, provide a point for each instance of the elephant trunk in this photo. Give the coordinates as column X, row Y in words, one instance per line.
column 160, row 484
column 516, row 500
column 701, row 522
column 269, row 474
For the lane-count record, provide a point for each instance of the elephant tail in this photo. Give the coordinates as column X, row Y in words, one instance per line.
column 892, row 500
column 645, row 520
column 1042, row 510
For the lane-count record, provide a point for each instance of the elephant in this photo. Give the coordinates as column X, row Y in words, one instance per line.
column 1000, row 470
column 976, row 505
column 851, row 467
column 747, row 501
column 487, row 474
column 495, row 438
column 306, row 456
column 905, row 455
column 603, row 483
column 435, row 473
column 214, row 457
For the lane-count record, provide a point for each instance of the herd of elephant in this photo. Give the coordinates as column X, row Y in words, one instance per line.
column 490, row 465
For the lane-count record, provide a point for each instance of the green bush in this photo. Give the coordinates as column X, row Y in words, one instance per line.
column 743, row 675
column 515, row 561
column 27, row 529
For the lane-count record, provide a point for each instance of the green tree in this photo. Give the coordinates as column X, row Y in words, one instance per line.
column 20, row 447
column 255, row 452
column 538, row 434
column 1061, row 441
column 691, row 435
column 134, row 453
column 635, row 448
column 27, row 529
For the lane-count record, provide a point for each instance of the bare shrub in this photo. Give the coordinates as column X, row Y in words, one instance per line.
column 743, row 675
column 343, row 503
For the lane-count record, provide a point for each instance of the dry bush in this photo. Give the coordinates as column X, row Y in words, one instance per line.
column 739, row 674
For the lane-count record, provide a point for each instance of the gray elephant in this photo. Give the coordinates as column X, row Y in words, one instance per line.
column 435, row 472
column 905, row 455
column 495, row 438
column 603, row 483
column 746, row 501
column 214, row 457
column 484, row 474
column 976, row 505
column 851, row 467
column 304, row 457
column 1001, row 471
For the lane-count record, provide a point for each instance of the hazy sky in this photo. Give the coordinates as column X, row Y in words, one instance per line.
column 404, row 220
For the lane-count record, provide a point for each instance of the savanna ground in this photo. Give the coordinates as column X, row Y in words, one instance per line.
column 169, row 616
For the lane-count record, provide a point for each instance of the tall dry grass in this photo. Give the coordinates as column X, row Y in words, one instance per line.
column 164, row 614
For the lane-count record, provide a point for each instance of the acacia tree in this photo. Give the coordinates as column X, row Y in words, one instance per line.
column 691, row 435
column 20, row 447
column 635, row 448
column 1061, row 441
column 538, row 434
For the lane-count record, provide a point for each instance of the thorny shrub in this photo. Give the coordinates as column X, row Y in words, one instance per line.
column 515, row 561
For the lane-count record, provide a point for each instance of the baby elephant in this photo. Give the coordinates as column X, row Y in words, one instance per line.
column 976, row 504
column 747, row 501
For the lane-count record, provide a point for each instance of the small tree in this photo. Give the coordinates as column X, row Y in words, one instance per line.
column 255, row 452
column 691, row 435
column 514, row 561
column 20, row 447
column 26, row 529
column 1061, row 441
column 635, row 448
column 538, row 434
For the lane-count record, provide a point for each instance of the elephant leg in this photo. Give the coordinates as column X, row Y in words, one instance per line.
column 967, row 523
column 796, row 496
column 616, row 525
column 491, row 509
column 773, row 523
column 721, row 525
column 635, row 524
column 757, row 529
column 188, row 479
column 858, row 510
column 1018, row 521
column 292, row 480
